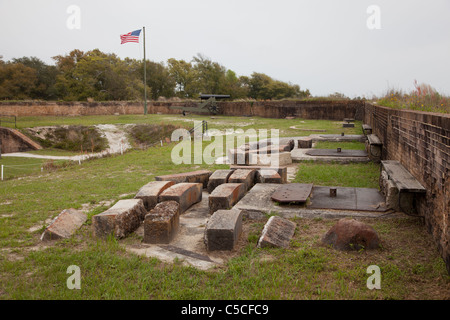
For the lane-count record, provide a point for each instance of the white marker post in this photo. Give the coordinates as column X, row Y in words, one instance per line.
column 2, row 172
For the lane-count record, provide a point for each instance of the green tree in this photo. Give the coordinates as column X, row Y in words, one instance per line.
column 46, row 77
column 263, row 87
column 17, row 81
column 210, row 75
column 97, row 75
column 185, row 77
column 161, row 83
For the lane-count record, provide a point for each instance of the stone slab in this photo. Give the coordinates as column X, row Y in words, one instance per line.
column 200, row 176
column 245, row 176
column 223, row 230
column 402, row 178
column 150, row 192
column 292, row 193
column 360, row 199
column 277, row 233
column 120, row 220
column 335, row 153
column 348, row 125
column 366, row 129
column 374, row 140
column 217, row 178
column 225, row 196
column 186, row 194
column 161, row 224
column 64, row 225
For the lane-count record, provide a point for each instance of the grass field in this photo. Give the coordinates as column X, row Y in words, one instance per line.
column 218, row 122
column 410, row 265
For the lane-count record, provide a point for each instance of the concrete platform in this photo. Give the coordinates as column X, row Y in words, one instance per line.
column 299, row 155
column 257, row 204
column 335, row 153
column 360, row 199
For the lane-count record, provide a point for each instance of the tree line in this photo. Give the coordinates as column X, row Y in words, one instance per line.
column 99, row 76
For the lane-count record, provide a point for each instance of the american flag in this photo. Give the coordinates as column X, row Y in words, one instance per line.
column 130, row 37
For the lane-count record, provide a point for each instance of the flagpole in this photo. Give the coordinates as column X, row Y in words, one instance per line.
column 145, row 78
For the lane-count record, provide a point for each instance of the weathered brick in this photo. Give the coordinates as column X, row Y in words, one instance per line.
column 186, row 194
column 225, row 196
column 151, row 191
column 223, row 230
column 64, row 225
column 200, row 176
column 162, row 223
column 245, row 176
column 282, row 170
column 120, row 220
column 217, row 178
column 268, row 176
column 277, row 233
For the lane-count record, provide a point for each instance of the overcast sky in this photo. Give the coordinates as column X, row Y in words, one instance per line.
column 325, row 46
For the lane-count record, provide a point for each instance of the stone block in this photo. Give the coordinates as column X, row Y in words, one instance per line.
column 245, row 176
column 223, row 230
column 282, row 171
column 274, row 159
column 162, row 223
column 225, row 196
column 217, row 178
column 120, row 220
column 151, row 191
column 268, row 176
column 392, row 195
column 348, row 125
column 238, row 156
column 277, row 232
column 305, row 143
column 200, row 176
column 64, row 225
column 366, row 129
column 186, row 194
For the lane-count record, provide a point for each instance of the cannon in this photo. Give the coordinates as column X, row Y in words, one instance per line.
column 208, row 104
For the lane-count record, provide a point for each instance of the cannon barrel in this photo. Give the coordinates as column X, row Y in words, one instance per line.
column 217, row 96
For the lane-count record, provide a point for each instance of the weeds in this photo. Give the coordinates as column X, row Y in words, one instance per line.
column 423, row 98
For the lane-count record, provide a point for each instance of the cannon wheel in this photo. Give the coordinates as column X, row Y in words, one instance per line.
column 213, row 108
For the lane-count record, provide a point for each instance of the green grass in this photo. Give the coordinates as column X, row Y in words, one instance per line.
column 410, row 264
column 345, row 145
column 308, row 270
column 14, row 167
column 356, row 175
column 217, row 122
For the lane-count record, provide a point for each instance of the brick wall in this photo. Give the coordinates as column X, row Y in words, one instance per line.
column 332, row 110
column 420, row 141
